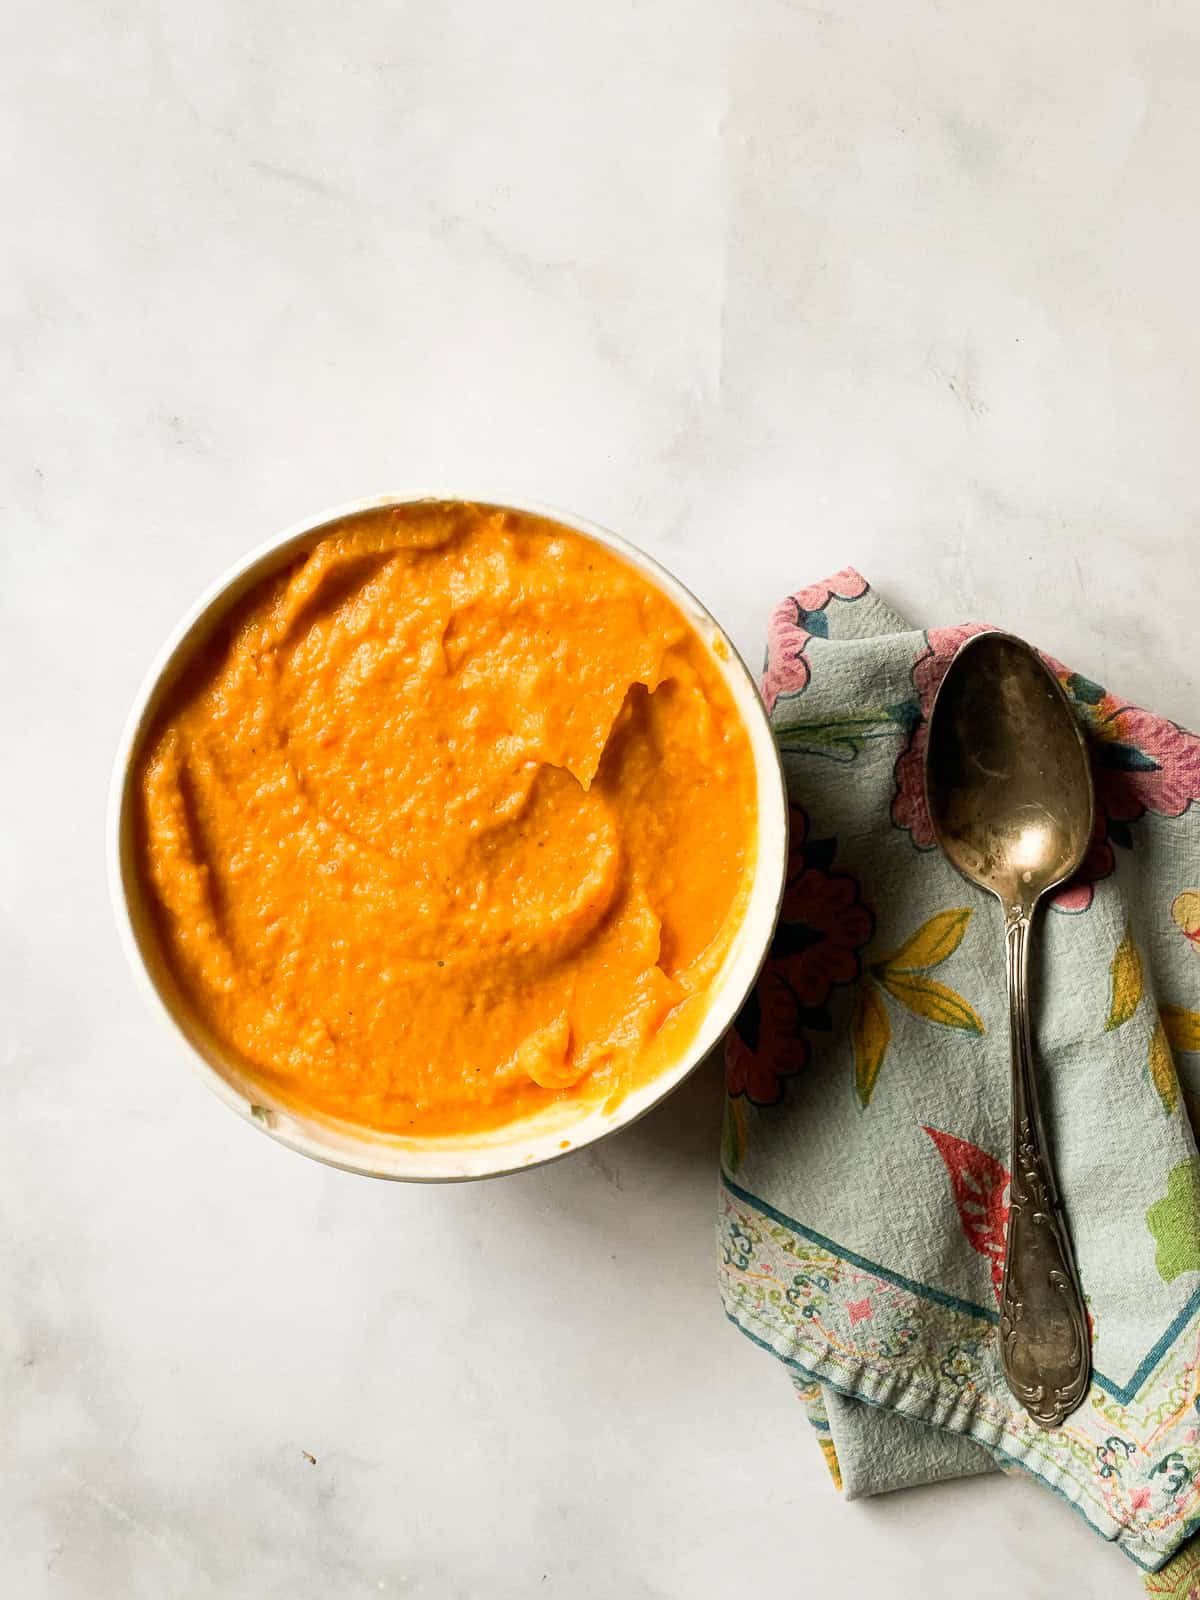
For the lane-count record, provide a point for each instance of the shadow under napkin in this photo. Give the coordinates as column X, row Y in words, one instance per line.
column 864, row 1188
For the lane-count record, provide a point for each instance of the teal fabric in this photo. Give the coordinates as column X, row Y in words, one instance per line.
column 864, row 1181
column 882, row 1450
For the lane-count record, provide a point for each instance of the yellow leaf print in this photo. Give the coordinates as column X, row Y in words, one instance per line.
column 1125, row 974
column 870, row 1033
column 1185, row 908
column 831, row 1461
column 1162, row 1069
column 932, row 943
column 733, row 1135
column 1182, row 1027
column 901, row 975
column 933, row 1001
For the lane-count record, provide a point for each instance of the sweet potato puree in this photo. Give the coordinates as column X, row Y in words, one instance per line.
column 454, row 819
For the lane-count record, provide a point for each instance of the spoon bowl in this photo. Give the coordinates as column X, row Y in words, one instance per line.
column 1007, row 775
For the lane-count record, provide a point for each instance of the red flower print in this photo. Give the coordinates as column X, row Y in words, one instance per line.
column 980, row 1187
column 823, row 926
column 765, row 1044
column 793, row 623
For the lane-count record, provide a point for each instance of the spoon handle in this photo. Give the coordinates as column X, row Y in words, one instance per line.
column 1044, row 1344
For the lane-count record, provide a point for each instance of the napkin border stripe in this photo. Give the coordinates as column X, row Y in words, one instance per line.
column 938, row 1296
column 1124, row 1394
column 1160, row 1348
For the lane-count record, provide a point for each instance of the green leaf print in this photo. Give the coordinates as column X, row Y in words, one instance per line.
column 1175, row 1222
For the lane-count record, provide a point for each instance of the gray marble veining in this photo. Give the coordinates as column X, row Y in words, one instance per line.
column 767, row 288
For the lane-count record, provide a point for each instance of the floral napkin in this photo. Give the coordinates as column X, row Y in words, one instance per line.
column 864, row 1180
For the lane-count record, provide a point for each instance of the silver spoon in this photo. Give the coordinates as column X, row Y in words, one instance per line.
column 1010, row 798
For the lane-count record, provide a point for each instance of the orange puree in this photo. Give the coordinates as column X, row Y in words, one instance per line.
column 454, row 820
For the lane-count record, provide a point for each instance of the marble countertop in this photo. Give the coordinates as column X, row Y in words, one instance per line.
column 768, row 288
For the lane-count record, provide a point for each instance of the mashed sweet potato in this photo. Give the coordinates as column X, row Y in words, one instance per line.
column 455, row 818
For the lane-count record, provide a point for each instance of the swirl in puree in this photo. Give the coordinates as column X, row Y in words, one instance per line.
column 454, row 819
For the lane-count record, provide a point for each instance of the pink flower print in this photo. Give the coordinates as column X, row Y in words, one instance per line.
column 1141, row 763
column 860, row 1310
column 1144, row 763
column 908, row 803
column 1099, row 863
column 793, row 623
column 848, row 584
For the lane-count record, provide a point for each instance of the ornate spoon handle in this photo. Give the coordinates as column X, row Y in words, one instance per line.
column 1044, row 1344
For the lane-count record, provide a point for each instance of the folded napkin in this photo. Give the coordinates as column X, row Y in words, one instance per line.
column 864, row 1172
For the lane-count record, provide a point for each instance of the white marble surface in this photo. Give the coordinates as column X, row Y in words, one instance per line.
column 767, row 287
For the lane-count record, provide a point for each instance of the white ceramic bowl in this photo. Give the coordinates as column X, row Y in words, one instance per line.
column 562, row 1127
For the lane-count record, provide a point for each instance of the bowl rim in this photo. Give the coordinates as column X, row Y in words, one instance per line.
column 351, row 1147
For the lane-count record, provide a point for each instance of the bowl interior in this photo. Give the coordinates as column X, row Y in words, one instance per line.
column 558, row 1128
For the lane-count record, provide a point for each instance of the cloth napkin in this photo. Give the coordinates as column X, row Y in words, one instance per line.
column 864, row 1185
